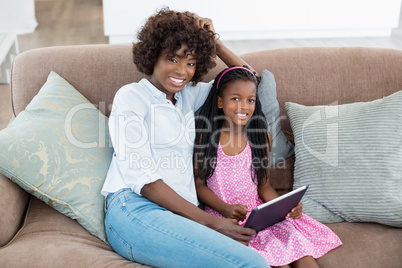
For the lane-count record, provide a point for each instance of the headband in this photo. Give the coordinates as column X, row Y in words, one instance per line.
column 232, row 68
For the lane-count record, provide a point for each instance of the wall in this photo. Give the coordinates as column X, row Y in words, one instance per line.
column 263, row 19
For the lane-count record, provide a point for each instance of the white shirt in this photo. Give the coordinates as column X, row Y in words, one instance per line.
column 153, row 139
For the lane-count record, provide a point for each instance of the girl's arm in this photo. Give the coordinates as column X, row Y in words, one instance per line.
column 209, row 198
column 267, row 193
column 161, row 194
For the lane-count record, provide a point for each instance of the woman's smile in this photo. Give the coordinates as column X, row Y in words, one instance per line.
column 178, row 82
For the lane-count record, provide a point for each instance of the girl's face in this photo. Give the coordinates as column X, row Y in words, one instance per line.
column 172, row 73
column 238, row 102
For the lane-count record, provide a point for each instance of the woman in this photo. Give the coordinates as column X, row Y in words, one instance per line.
column 152, row 215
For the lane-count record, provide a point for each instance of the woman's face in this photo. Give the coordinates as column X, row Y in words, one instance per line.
column 238, row 102
column 172, row 73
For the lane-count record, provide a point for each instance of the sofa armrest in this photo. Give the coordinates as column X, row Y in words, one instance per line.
column 13, row 204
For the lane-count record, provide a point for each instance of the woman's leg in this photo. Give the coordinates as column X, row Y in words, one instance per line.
column 142, row 231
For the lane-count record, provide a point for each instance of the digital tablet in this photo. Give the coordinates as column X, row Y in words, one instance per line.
column 274, row 211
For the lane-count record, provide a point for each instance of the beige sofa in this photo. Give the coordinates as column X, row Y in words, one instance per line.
column 33, row 234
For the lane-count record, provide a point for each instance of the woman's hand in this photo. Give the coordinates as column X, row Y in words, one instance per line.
column 236, row 211
column 204, row 23
column 160, row 193
column 224, row 53
column 232, row 229
column 296, row 212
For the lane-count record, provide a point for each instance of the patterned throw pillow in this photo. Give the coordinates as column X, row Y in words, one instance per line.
column 351, row 156
column 58, row 150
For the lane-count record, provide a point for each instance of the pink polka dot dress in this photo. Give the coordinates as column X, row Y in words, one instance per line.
column 282, row 243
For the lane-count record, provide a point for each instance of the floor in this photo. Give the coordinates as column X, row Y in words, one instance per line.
column 75, row 22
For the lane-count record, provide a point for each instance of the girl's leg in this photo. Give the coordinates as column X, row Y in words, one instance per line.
column 142, row 231
column 306, row 262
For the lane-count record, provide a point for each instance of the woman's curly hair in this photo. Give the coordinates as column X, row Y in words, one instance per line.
column 168, row 29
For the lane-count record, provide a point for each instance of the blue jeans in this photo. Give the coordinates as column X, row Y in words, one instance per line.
column 142, row 231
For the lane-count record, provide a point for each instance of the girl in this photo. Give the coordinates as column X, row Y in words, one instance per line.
column 231, row 161
column 151, row 208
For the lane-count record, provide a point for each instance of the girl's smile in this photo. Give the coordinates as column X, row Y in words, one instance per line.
column 238, row 102
column 173, row 72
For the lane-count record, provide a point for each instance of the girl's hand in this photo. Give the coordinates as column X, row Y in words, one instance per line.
column 232, row 229
column 236, row 211
column 296, row 212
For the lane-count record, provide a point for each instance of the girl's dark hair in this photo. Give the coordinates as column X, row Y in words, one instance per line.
column 209, row 123
column 168, row 29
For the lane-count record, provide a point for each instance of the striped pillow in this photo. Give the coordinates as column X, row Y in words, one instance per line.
column 351, row 156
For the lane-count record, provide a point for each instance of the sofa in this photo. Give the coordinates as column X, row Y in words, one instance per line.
column 33, row 234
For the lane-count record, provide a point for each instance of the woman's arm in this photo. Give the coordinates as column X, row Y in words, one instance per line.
column 209, row 198
column 224, row 53
column 161, row 194
column 229, row 57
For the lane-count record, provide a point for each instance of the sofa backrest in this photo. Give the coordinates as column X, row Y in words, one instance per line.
column 97, row 71
column 309, row 76
column 321, row 76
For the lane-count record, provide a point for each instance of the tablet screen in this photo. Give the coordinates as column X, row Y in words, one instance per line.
column 275, row 210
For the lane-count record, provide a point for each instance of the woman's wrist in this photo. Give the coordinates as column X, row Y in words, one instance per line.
column 219, row 46
column 211, row 221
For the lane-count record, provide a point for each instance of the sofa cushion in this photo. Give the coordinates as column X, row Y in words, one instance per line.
column 364, row 245
column 351, row 156
column 57, row 149
column 281, row 147
column 50, row 239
